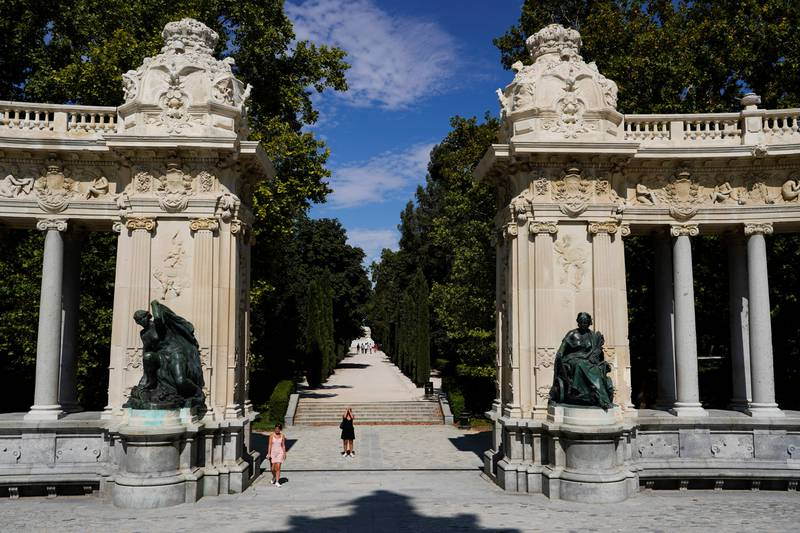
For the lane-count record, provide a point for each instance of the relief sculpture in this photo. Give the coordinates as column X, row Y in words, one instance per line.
column 572, row 260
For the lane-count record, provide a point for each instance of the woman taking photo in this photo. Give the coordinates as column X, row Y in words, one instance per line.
column 276, row 451
column 348, row 433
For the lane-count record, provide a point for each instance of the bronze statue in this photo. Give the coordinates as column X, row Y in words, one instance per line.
column 580, row 370
column 173, row 375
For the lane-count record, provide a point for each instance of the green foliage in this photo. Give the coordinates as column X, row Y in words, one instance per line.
column 274, row 412
column 422, row 344
column 446, row 237
column 319, row 343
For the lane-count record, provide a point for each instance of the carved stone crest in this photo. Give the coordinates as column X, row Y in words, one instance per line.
column 683, row 196
column 54, row 189
column 174, row 189
column 572, row 192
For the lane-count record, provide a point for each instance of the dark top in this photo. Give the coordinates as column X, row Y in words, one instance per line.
column 348, row 433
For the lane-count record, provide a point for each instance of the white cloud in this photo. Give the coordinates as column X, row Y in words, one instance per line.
column 373, row 241
column 394, row 60
column 382, row 176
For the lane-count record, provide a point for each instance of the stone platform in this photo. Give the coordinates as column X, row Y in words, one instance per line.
column 82, row 453
column 724, row 449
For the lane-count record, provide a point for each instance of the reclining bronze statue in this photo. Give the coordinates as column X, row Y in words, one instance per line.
column 173, row 374
column 580, row 369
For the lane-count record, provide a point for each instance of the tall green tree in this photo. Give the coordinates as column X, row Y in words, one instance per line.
column 422, row 369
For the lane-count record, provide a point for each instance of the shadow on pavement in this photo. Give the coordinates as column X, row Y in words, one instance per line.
column 351, row 365
column 259, row 442
column 386, row 511
column 476, row 443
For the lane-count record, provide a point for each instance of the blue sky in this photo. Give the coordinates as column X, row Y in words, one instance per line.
column 414, row 65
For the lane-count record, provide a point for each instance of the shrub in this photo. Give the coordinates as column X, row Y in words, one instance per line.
column 279, row 402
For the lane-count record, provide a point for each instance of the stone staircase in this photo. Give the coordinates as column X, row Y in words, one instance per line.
column 316, row 413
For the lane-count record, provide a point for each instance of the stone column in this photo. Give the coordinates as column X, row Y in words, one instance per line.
column 665, row 323
column 202, row 291
column 499, row 296
column 761, row 369
column 48, row 341
column 512, row 308
column 70, row 305
column 739, row 323
column 524, row 319
column 688, row 390
column 544, row 300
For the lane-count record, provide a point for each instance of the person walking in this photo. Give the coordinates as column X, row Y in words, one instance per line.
column 276, row 451
column 348, row 433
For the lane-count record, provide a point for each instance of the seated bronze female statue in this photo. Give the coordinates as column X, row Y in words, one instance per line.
column 580, row 370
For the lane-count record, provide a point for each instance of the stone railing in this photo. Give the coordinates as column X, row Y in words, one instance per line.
column 769, row 126
column 40, row 119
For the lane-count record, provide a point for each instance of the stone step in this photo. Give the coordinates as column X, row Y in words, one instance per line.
column 318, row 413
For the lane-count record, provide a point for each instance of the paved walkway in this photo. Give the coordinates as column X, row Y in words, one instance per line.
column 418, row 502
column 317, row 448
column 365, row 378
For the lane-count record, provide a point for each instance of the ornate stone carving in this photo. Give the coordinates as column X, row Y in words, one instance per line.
column 205, row 181
column 536, row 227
column 764, row 228
column 98, row 188
column 541, row 186
column 609, row 227
column 227, row 204
column 757, row 193
column 572, row 260
column 683, row 196
column 645, row 196
column 545, row 357
column 54, row 189
column 170, row 274
column 51, row 223
column 510, row 231
column 759, row 151
column 12, row 186
column 690, row 230
column 723, row 193
column 134, row 223
column 237, row 227
column 543, row 393
column 625, row 229
column 572, row 192
column 143, row 182
column 174, row 189
column 790, row 190
column 204, row 224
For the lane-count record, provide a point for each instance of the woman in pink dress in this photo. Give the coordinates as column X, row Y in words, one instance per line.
column 276, row 451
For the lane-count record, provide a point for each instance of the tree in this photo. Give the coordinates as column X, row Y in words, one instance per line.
column 419, row 289
column 71, row 51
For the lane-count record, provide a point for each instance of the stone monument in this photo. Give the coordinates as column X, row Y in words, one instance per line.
column 574, row 177
column 171, row 171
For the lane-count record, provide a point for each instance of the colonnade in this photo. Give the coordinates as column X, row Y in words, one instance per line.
column 56, row 353
column 751, row 332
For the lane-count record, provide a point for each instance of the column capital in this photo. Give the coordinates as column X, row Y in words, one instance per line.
column 510, row 231
column 537, row 227
column 204, row 224
column 46, row 224
column 681, row 230
column 239, row 227
column 764, row 228
column 609, row 226
column 140, row 223
column 625, row 229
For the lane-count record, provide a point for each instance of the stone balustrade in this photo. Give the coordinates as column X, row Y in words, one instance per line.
column 49, row 120
column 779, row 126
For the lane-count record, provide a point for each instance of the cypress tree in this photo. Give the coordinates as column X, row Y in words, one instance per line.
column 314, row 347
column 422, row 326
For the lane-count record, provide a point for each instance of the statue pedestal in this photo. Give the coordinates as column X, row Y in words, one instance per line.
column 586, row 459
column 158, row 463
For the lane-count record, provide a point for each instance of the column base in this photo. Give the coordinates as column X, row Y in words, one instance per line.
column 764, row 410
column 44, row 412
column 688, row 410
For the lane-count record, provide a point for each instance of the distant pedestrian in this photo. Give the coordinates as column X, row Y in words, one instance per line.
column 348, row 433
column 276, row 451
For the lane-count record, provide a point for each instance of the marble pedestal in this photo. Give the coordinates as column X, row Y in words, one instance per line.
column 158, row 466
column 586, row 459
